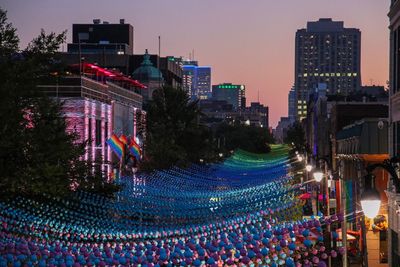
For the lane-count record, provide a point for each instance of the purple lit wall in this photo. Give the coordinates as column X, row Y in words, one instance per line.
column 91, row 120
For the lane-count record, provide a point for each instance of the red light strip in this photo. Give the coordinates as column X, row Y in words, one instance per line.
column 114, row 75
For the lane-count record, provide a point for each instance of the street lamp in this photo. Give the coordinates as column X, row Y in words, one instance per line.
column 318, row 175
column 300, row 157
column 370, row 199
column 371, row 204
column 309, row 167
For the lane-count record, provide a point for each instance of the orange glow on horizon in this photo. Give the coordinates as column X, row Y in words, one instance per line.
column 249, row 42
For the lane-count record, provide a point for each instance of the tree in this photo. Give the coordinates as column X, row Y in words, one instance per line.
column 247, row 137
column 8, row 37
column 296, row 135
column 37, row 154
column 174, row 136
column 12, row 122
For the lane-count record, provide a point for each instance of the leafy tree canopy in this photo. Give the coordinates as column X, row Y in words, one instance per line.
column 250, row 138
column 174, row 136
column 37, row 155
column 296, row 135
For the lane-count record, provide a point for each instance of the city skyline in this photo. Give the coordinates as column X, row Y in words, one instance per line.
column 246, row 42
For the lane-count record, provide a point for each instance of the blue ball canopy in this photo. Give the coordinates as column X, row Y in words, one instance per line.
column 244, row 210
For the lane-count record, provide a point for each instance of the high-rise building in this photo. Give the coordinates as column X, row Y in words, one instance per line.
column 282, row 128
column 394, row 133
column 326, row 52
column 292, row 104
column 395, row 76
column 188, row 78
column 111, row 46
column 217, row 111
column 107, row 45
column 190, row 62
column 203, row 82
column 233, row 94
column 196, row 80
column 262, row 114
column 116, row 38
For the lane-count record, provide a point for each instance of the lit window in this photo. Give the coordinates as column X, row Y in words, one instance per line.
column 305, row 107
column 305, row 75
column 299, row 112
column 338, row 74
column 354, row 74
column 299, row 101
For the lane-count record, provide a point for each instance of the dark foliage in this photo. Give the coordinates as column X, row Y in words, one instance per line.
column 296, row 136
column 174, row 136
column 250, row 138
column 37, row 155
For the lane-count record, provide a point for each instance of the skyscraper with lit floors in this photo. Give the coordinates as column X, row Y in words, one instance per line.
column 326, row 52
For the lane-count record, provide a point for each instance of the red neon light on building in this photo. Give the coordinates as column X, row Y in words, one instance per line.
column 112, row 75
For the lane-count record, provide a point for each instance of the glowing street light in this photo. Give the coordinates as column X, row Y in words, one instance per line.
column 309, row 167
column 318, row 175
column 371, row 207
column 300, row 158
column 370, row 199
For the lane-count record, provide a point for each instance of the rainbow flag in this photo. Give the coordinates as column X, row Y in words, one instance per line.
column 116, row 145
column 124, row 139
column 134, row 148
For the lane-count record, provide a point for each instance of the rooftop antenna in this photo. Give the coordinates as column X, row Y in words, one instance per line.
column 193, row 54
column 158, row 59
column 159, row 51
column 258, row 95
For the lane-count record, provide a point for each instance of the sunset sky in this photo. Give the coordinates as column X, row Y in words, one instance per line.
column 244, row 41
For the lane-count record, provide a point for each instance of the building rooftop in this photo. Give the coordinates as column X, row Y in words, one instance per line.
column 325, row 25
column 147, row 72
